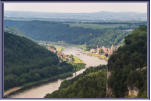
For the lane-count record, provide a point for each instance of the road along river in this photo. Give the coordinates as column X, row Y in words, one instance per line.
column 41, row 91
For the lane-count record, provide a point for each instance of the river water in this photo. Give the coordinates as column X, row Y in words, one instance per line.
column 41, row 91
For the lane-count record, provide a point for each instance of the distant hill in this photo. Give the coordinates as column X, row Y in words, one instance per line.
column 27, row 62
column 103, row 33
column 101, row 16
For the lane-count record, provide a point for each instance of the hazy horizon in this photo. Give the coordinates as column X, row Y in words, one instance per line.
column 77, row 7
column 74, row 12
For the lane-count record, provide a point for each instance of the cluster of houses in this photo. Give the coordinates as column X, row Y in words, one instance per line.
column 61, row 55
column 106, row 51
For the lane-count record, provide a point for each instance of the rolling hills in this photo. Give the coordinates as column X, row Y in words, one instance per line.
column 91, row 34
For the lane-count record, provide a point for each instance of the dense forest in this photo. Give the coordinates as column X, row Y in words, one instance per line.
column 128, row 68
column 128, row 65
column 26, row 62
column 103, row 33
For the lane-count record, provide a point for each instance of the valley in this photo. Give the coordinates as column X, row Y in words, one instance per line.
column 75, row 57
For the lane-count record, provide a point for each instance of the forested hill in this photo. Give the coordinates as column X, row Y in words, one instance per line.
column 128, row 68
column 26, row 62
column 91, row 34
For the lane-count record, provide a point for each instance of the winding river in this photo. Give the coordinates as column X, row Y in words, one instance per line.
column 41, row 91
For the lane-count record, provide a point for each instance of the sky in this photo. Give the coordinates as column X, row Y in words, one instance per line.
column 77, row 7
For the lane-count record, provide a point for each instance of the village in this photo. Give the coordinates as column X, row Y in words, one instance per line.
column 101, row 52
column 105, row 51
column 60, row 54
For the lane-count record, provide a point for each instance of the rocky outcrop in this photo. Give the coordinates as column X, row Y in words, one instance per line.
column 133, row 91
column 108, row 89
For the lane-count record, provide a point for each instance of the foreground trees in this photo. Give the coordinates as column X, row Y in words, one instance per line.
column 128, row 65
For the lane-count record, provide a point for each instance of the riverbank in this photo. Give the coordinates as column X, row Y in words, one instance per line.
column 17, row 90
column 83, row 47
column 99, row 56
column 11, row 90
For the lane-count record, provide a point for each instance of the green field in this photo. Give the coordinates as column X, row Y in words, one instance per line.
column 99, row 56
column 77, row 60
column 97, row 26
column 59, row 48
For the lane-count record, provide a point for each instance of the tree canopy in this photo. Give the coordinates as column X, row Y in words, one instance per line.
column 128, row 65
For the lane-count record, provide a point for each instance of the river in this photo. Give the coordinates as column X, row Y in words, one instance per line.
column 41, row 91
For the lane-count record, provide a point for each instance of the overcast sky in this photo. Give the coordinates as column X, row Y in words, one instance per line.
column 77, row 7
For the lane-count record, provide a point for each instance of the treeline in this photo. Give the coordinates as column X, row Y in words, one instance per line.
column 128, row 65
column 117, row 22
column 26, row 62
column 58, row 31
column 90, row 84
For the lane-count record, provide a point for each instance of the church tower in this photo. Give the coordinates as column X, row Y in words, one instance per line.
column 97, row 49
